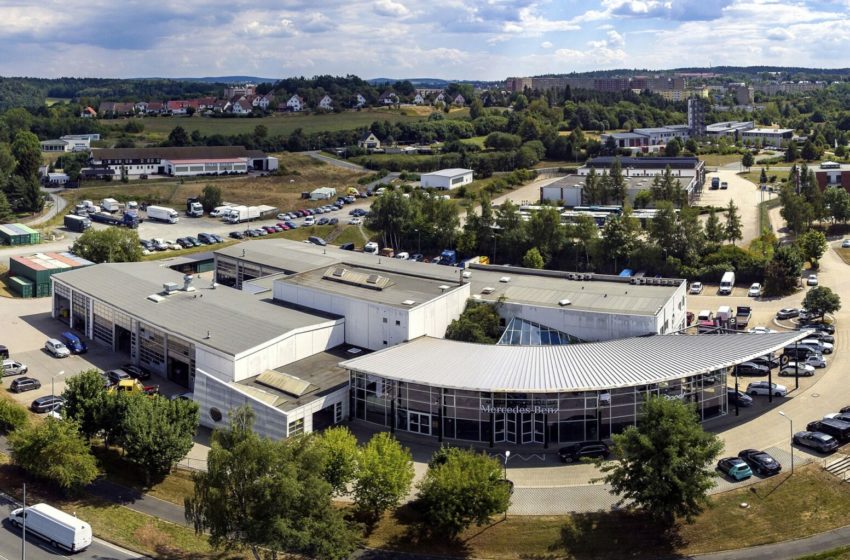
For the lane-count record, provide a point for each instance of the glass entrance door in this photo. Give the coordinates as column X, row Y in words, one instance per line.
column 419, row 423
column 511, row 427
column 532, row 428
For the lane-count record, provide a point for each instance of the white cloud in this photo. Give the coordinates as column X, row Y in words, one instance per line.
column 390, row 8
column 546, row 45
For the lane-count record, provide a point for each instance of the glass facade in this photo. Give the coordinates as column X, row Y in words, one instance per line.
column 527, row 333
column 522, row 418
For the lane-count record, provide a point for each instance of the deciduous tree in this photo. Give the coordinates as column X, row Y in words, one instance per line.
column 532, row 259
column 463, row 488
column 664, row 464
column 108, row 245
column 822, row 300
column 85, row 401
column 340, row 463
column 748, row 160
column 782, row 273
column 384, row 476
column 211, row 196
column 812, row 246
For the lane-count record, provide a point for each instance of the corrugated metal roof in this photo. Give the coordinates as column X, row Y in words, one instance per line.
column 577, row 367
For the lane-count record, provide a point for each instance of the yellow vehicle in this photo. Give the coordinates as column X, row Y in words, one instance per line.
column 134, row 386
column 352, row 191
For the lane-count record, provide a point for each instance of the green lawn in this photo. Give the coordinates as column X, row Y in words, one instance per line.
column 283, row 124
column 754, row 176
column 842, row 553
column 716, row 160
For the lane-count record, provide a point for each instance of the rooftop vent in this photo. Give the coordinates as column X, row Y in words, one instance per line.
column 476, row 296
column 488, row 290
column 466, row 274
column 169, row 287
column 187, row 283
column 564, row 302
column 505, row 279
column 408, row 302
column 156, row 298
column 443, row 287
column 373, row 279
column 338, row 272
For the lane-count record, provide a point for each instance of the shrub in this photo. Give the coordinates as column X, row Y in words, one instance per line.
column 12, row 416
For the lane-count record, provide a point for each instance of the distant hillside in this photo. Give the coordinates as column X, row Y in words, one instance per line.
column 230, row 80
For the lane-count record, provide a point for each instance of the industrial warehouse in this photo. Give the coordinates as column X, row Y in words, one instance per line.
column 313, row 336
column 183, row 161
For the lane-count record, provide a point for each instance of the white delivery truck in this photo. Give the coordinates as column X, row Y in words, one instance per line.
column 163, row 214
column 58, row 528
column 240, row 214
column 109, row 205
column 727, row 283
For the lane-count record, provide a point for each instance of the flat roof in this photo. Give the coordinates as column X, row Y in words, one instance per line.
column 768, row 131
column 206, row 160
column 321, row 372
column 574, row 367
column 684, row 162
column 452, row 172
column 236, row 321
column 398, row 288
column 631, row 181
column 603, row 293
column 174, row 152
column 52, row 261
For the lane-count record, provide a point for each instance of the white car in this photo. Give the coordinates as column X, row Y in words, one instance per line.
column 696, row 288
column 845, row 244
column 755, row 290
column 12, row 367
column 309, row 221
column 355, row 221
column 812, row 280
column 281, row 216
column 761, row 330
column 825, row 347
column 371, row 247
column 791, row 369
column 56, row 348
column 765, row 388
column 815, row 360
column 402, row 256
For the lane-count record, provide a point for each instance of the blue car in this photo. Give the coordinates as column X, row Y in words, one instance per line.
column 74, row 343
column 292, row 225
column 735, row 468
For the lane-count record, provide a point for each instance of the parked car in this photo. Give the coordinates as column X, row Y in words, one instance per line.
column 237, row 235
column 822, row 336
column 136, row 372
column 333, row 221
column 355, row 221
column 845, row 244
column 839, row 429
column 323, row 221
column 843, row 416
column 589, row 449
column 822, row 327
column 309, row 221
column 206, row 238
column 347, row 246
column 755, row 290
column 21, row 384
column 283, row 216
column 812, row 280
column 814, row 360
column 56, row 348
column 818, row 441
column 47, row 403
column 270, row 229
column 315, row 240
column 116, row 375
column 739, row 398
column 749, row 368
column 765, row 388
column 760, row 462
column 787, row 313
column 417, row 257
column 768, row 361
column 292, row 225
column 761, row 330
column 792, row 369
column 183, row 242
column 402, row 256
column 823, row 347
column 13, row 367
column 735, row 468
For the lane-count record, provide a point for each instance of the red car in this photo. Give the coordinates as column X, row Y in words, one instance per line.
column 270, row 229
column 282, row 226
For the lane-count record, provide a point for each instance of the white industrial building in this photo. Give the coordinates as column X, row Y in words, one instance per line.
column 773, row 137
column 323, row 193
column 295, row 337
column 446, row 179
column 729, row 129
column 181, row 161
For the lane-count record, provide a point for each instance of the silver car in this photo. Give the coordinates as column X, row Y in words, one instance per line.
column 56, row 348
column 12, row 367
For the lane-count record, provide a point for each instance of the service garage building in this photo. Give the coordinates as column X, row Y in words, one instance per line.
column 446, row 179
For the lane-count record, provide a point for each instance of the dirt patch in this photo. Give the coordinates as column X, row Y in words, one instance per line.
column 149, row 536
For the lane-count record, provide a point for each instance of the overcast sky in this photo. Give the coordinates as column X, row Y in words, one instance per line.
column 452, row 39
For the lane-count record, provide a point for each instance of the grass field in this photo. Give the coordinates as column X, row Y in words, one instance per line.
column 754, row 176
column 282, row 124
column 781, row 508
column 283, row 191
column 716, row 160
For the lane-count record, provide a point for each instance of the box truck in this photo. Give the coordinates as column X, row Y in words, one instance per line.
column 267, row 212
column 77, row 223
column 194, row 209
column 163, row 214
column 727, row 282
column 109, row 205
column 239, row 214
column 58, row 528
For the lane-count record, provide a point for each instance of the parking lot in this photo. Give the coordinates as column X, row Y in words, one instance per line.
column 27, row 325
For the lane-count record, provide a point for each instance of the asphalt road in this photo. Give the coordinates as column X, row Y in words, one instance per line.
column 10, row 544
column 315, row 154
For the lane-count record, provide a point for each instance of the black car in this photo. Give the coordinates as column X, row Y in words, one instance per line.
column 116, row 375
column 47, row 403
column 823, row 327
column 816, row 440
column 768, row 361
column 136, row 372
column 323, row 221
column 317, row 241
column 184, row 242
column 217, row 238
column 347, row 246
column 591, row 449
column 761, row 463
column 739, row 398
column 749, row 368
column 237, row 235
column 417, row 257
column 333, row 221
column 194, row 241
column 22, row 384
column 206, row 238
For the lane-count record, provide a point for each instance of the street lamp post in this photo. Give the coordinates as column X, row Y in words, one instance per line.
column 507, row 456
column 494, row 262
column 53, row 384
column 418, row 241
column 791, row 422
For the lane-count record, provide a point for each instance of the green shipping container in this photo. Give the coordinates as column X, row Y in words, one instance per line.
column 18, row 234
column 20, row 286
column 43, row 290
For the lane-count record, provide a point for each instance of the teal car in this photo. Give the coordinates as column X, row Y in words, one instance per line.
column 735, row 468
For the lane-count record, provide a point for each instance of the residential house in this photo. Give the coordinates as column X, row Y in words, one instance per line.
column 141, row 107
column 177, row 107
column 459, row 101
column 240, row 105
column 295, row 104
column 326, row 104
column 221, row 106
column 419, row 100
column 369, row 142
column 440, row 97
column 205, row 103
column 263, row 101
column 88, row 113
column 359, row 101
column 388, row 98
column 114, row 109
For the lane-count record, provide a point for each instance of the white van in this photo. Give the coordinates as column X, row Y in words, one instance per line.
column 727, row 283
column 371, row 247
column 58, row 528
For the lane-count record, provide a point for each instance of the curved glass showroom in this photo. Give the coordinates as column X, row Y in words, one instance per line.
column 693, row 369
